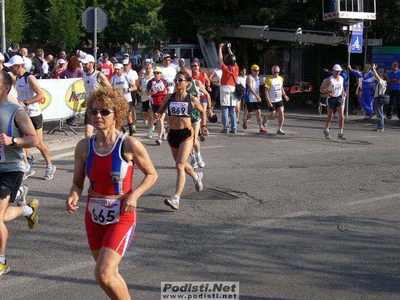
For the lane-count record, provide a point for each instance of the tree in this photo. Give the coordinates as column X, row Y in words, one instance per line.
column 67, row 36
column 38, row 30
column 15, row 12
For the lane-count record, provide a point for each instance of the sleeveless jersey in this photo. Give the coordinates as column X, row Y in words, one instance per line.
column 120, row 83
column 11, row 157
column 143, row 85
column 181, row 109
column 193, row 90
column 109, row 174
column 275, row 88
column 249, row 97
column 160, row 87
column 202, row 79
column 26, row 92
column 107, row 69
column 336, row 86
column 90, row 81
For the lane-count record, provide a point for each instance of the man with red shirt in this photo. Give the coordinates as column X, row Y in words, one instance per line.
column 106, row 67
column 230, row 71
column 157, row 89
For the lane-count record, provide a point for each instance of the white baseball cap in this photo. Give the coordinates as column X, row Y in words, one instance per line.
column 118, row 66
column 125, row 62
column 61, row 61
column 337, row 68
column 15, row 60
column 88, row 58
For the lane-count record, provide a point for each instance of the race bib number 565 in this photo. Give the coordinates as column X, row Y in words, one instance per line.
column 105, row 211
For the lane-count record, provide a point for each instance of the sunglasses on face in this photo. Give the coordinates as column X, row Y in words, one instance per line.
column 103, row 112
column 179, row 80
column 194, row 66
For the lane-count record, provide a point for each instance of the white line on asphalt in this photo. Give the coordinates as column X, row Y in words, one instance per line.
column 373, row 199
column 62, row 155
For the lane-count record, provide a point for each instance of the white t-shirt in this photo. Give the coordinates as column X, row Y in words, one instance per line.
column 169, row 74
column 132, row 74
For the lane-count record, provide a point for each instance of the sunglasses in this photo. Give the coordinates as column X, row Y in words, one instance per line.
column 179, row 79
column 103, row 112
column 194, row 66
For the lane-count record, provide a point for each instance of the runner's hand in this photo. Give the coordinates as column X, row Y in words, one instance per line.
column 71, row 205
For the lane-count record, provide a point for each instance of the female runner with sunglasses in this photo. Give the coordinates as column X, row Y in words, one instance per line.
column 107, row 159
column 179, row 107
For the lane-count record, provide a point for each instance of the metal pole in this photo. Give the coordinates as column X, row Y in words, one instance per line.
column 95, row 35
column 3, row 27
column 348, row 72
column 365, row 46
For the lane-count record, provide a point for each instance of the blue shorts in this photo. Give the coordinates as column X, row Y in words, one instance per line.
column 334, row 102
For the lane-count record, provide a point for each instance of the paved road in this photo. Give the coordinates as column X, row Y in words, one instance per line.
column 289, row 217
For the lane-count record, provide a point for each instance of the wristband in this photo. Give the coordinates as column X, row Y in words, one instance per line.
column 202, row 126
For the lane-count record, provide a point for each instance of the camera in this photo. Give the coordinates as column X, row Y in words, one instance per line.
column 227, row 44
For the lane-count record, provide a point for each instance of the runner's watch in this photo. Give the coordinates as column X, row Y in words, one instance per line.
column 14, row 141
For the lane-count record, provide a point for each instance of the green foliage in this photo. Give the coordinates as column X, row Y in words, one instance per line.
column 38, row 30
column 17, row 20
column 64, row 24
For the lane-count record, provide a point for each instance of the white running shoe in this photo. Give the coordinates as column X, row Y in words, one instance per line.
column 159, row 141
column 29, row 173
column 198, row 182
column 50, row 172
column 150, row 134
column 193, row 162
column 172, row 202
column 280, row 132
column 265, row 121
column 21, row 198
column 200, row 161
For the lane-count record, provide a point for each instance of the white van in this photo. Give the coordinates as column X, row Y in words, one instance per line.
column 186, row 51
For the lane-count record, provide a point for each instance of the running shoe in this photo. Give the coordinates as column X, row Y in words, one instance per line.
column 340, row 136
column 145, row 122
column 202, row 138
column 224, row 131
column 172, row 202
column 200, row 161
column 327, row 135
column 159, row 140
column 4, row 268
column 30, row 159
column 193, row 162
column 280, row 132
column 378, row 130
column 50, row 172
column 33, row 219
column 198, row 182
column 265, row 121
column 263, row 130
column 29, row 173
column 232, row 131
column 21, row 198
column 245, row 124
column 134, row 128
column 150, row 134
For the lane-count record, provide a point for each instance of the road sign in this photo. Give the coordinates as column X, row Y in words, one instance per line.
column 356, row 43
column 88, row 18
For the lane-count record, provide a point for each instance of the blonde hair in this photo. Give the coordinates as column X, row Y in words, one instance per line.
column 110, row 99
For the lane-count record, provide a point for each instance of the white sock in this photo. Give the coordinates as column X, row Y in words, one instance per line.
column 176, row 197
column 197, row 154
column 27, row 210
column 341, row 130
column 3, row 258
column 327, row 129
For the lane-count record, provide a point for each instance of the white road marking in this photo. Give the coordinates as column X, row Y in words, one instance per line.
column 365, row 201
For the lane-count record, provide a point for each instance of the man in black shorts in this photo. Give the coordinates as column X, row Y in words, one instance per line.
column 16, row 132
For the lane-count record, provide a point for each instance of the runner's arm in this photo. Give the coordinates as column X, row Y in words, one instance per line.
column 136, row 152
